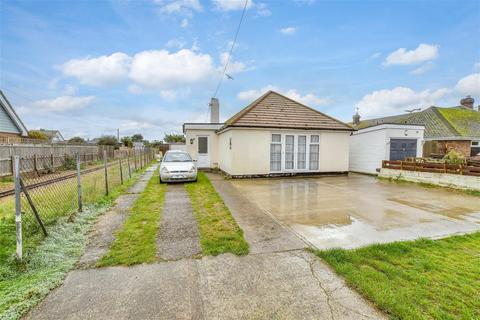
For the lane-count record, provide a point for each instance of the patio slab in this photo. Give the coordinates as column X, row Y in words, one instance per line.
column 357, row 210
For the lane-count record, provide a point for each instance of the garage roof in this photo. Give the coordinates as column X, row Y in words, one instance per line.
column 274, row 110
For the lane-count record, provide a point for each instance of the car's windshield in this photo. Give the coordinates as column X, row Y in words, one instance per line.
column 177, row 157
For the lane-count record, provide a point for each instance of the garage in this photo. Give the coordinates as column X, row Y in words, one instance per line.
column 369, row 146
column 400, row 149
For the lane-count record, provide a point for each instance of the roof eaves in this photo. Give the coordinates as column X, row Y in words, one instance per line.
column 13, row 115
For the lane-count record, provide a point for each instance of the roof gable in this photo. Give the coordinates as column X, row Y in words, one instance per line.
column 273, row 110
column 11, row 121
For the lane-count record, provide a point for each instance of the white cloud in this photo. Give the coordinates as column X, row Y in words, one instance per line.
column 469, row 85
column 262, row 10
column 184, row 23
column 308, row 99
column 375, row 55
column 424, row 52
column 160, row 69
column 423, row 68
column 180, row 7
column 390, row 102
column 233, row 66
column 288, row 30
column 63, row 103
column 231, row 5
column 176, row 43
column 98, row 71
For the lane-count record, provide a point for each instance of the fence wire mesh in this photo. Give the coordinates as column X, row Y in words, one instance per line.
column 50, row 189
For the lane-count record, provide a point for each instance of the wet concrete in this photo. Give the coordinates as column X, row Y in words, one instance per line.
column 261, row 231
column 103, row 233
column 286, row 285
column 178, row 237
column 357, row 210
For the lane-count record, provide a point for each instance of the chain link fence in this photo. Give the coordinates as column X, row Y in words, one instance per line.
column 42, row 194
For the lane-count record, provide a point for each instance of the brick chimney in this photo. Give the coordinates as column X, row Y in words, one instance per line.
column 467, row 102
column 214, row 110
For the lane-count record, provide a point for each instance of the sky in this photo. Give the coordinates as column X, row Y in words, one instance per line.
column 87, row 68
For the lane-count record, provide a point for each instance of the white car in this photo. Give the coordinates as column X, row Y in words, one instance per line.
column 178, row 166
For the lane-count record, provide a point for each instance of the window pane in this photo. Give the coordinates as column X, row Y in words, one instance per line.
column 314, row 156
column 276, row 138
column 202, row 145
column 302, row 150
column 275, row 157
column 289, row 151
column 314, row 139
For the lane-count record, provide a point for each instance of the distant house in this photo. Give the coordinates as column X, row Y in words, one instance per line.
column 455, row 128
column 273, row 135
column 54, row 136
column 10, row 123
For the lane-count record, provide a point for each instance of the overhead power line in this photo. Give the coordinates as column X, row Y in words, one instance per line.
column 231, row 50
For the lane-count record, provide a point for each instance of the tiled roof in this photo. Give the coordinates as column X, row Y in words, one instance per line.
column 273, row 110
column 453, row 122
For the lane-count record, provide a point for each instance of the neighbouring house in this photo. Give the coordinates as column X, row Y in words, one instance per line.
column 11, row 126
column 273, row 135
column 53, row 136
column 455, row 128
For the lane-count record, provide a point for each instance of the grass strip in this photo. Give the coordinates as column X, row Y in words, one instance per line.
column 136, row 242
column 423, row 279
column 23, row 285
column 219, row 232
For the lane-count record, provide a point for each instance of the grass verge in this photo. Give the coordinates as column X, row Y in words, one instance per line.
column 23, row 285
column 423, row 279
column 219, row 232
column 136, row 242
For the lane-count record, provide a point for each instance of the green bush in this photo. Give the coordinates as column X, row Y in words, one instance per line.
column 454, row 157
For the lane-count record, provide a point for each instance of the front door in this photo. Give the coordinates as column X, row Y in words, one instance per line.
column 402, row 148
column 203, row 155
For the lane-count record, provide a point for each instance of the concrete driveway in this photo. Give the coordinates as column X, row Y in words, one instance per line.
column 358, row 210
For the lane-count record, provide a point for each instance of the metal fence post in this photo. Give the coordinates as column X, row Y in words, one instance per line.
column 135, row 158
column 18, row 208
column 128, row 163
column 121, row 171
column 79, row 185
column 106, row 171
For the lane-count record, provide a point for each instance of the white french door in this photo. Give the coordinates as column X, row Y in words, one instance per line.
column 294, row 152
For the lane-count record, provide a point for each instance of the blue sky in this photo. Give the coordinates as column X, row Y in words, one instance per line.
column 89, row 67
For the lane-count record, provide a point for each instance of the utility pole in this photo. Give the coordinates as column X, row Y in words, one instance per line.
column 118, row 134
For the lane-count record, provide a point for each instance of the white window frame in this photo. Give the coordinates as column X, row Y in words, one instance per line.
column 295, row 151
column 282, row 157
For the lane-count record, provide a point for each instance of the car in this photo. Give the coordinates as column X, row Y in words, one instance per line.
column 178, row 166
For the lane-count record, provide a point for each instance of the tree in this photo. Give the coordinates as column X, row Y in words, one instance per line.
column 127, row 141
column 37, row 134
column 76, row 140
column 137, row 137
column 107, row 141
column 174, row 137
column 155, row 143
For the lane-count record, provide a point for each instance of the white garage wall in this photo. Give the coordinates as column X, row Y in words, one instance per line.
column 368, row 147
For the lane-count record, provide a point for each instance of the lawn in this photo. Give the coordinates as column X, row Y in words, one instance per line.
column 219, row 232
column 423, row 279
column 136, row 241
